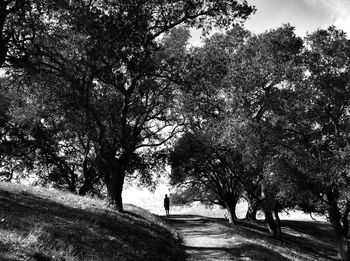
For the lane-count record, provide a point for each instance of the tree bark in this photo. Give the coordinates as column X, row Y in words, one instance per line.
column 252, row 209
column 278, row 222
column 115, row 192
column 270, row 208
column 115, row 185
column 343, row 248
column 91, row 177
column 114, row 171
column 340, row 230
column 230, row 204
column 3, row 47
column 273, row 225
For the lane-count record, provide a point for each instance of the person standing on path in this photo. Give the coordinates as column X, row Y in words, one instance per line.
column 166, row 205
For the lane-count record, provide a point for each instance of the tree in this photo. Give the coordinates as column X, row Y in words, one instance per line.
column 38, row 140
column 120, row 83
column 256, row 105
column 315, row 151
column 240, row 115
column 8, row 9
column 195, row 165
column 203, row 104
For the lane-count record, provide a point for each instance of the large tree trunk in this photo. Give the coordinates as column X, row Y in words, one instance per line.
column 115, row 188
column 340, row 227
column 230, row 204
column 114, row 171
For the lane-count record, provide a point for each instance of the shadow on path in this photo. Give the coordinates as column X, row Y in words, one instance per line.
column 205, row 239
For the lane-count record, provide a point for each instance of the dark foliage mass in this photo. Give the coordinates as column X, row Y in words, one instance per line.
column 93, row 87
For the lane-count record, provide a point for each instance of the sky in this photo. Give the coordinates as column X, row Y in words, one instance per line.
column 305, row 15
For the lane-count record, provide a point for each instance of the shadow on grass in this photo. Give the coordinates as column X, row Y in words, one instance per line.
column 314, row 238
column 244, row 252
column 304, row 240
column 86, row 232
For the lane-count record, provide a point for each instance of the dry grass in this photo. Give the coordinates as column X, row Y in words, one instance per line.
column 41, row 224
column 209, row 239
column 301, row 240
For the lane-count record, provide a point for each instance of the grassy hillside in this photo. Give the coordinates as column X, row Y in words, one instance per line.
column 40, row 224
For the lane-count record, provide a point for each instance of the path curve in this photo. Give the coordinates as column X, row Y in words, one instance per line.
column 205, row 239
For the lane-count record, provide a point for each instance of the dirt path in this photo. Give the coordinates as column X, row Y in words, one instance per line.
column 206, row 240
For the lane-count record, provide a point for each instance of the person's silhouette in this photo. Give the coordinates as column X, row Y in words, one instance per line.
column 166, row 204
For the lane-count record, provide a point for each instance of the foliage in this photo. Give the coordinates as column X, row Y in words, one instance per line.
column 110, row 70
column 318, row 128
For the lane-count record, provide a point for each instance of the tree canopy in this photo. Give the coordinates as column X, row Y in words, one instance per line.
column 109, row 70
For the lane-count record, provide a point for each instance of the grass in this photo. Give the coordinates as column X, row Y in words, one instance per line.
column 210, row 239
column 301, row 240
column 41, row 224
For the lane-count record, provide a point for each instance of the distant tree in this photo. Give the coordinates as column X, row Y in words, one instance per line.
column 197, row 166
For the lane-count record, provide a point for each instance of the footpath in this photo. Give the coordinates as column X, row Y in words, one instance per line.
column 206, row 240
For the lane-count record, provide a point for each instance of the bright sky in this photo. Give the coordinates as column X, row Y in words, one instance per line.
column 304, row 15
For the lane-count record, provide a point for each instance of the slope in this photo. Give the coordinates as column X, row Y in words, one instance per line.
column 49, row 225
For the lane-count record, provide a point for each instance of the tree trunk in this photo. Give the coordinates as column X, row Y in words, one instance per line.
column 3, row 47
column 230, row 204
column 270, row 208
column 274, row 226
column 278, row 223
column 91, row 177
column 114, row 171
column 252, row 209
column 115, row 185
column 341, row 231
column 118, row 190
column 85, row 188
column 343, row 245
